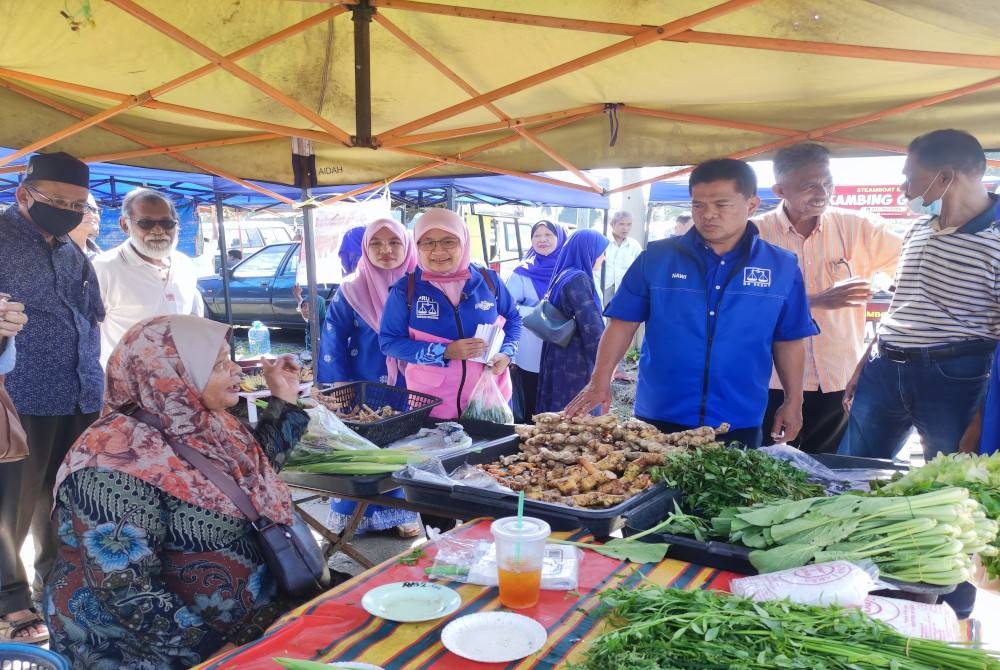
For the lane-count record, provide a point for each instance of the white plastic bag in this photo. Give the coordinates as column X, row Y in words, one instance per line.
column 930, row 622
column 327, row 432
column 475, row 562
column 832, row 583
column 487, row 402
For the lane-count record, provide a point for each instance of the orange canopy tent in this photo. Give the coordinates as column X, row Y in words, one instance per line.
column 392, row 88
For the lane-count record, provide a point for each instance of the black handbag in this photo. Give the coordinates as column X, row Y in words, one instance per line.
column 290, row 551
column 549, row 323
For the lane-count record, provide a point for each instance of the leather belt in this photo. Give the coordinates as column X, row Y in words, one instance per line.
column 935, row 353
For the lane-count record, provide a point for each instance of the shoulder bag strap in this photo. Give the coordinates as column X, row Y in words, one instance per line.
column 222, row 480
column 410, row 282
column 487, row 279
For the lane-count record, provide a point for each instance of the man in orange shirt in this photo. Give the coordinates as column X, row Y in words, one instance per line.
column 838, row 250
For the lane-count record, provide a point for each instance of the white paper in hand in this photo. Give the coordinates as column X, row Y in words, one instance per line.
column 492, row 334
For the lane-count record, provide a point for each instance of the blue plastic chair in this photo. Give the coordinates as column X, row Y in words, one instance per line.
column 19, row 656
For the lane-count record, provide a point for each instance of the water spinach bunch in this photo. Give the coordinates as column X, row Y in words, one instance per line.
column 660, row 628
column 980, row 474
column 712, row 478
column 923, row 538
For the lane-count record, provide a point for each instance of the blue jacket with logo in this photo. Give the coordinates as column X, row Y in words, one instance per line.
column 420, row 333
column 696, row 369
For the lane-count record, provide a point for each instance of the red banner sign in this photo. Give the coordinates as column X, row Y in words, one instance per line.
column 886, row 200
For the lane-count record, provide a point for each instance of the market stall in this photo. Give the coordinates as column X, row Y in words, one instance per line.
column 336, row 626
column 858, row 533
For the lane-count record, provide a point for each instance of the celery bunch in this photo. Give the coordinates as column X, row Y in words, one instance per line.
column 923, row 538
column 979, row 474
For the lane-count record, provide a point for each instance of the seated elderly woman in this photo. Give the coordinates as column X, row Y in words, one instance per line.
column 157, row 568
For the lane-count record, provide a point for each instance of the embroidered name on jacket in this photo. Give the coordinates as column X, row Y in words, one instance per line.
column 427, row 308
column 484, row 305
column 759, row 277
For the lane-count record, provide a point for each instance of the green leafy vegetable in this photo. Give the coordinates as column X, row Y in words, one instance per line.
column 624, row 549
column 412, row 558
column 921, row 538
column 712, row 478
column 668, row 628
column 980, row 474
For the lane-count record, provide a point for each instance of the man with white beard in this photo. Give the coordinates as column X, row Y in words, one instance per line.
column 145, row 275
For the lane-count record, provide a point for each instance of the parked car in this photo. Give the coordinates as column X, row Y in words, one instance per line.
column 260, row 289
column 245, row 237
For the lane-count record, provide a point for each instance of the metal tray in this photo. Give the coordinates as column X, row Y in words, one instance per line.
column 473, row 502
column 371, row 485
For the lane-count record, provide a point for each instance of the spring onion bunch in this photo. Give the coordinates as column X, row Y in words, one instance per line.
column 923, row 538
column 360, row 462
column 979, row 474
column 661, row 628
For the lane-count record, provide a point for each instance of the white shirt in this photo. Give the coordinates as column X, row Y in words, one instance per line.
column 134, row 289
column 618, row 259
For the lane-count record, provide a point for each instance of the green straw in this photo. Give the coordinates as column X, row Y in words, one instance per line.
column 520, row 515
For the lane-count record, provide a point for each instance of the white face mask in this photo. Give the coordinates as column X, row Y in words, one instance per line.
column 918, row 206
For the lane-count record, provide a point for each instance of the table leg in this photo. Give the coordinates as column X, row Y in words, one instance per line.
column 340, row 541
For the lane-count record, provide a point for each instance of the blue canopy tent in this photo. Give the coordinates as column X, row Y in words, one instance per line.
column 110, row 182
column 676, row 193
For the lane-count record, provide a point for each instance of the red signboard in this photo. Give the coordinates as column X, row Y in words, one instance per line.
column 886, row 200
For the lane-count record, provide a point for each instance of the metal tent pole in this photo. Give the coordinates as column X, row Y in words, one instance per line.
column 224, row 270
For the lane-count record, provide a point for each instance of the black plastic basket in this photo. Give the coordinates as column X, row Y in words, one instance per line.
column 415, row 408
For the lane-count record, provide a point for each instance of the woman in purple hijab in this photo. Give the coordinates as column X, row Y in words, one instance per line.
column 527, row 285
column 566, row 370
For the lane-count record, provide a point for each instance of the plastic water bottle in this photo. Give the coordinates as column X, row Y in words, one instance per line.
column 259, row 340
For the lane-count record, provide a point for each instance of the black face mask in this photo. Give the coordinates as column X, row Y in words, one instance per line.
column 53, row 220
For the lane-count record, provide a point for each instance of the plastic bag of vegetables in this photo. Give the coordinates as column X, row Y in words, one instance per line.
column 487, row 403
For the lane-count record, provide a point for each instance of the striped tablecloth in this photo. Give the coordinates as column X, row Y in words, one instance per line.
column 334, row 626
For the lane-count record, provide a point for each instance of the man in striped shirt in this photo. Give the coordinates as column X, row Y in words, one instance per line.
column 838, row 252
column 929, row 366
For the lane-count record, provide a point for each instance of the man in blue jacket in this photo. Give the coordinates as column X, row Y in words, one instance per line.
column 720, row 305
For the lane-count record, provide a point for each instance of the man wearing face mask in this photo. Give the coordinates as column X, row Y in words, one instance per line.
column 929, row 366
column 57, row 384
column 145, row 276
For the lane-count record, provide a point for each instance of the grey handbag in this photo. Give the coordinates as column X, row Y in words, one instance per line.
column 549, row 323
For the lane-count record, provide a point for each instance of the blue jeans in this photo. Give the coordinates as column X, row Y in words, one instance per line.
column 938, row 398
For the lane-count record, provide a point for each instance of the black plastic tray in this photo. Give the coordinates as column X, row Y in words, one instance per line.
column 371, row 485
column 473, row 502
column 735, row 558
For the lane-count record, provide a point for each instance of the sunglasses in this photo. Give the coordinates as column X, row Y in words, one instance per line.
column 149, row 224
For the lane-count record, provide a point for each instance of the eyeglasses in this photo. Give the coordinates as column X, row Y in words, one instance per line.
column 448, row 244
column 79, row 206
column 149, row 224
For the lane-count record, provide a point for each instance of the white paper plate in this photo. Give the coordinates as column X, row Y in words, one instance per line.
column 411, row 601
column 493, row 637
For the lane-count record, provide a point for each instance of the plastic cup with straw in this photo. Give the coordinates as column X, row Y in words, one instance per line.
column 520, row 550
